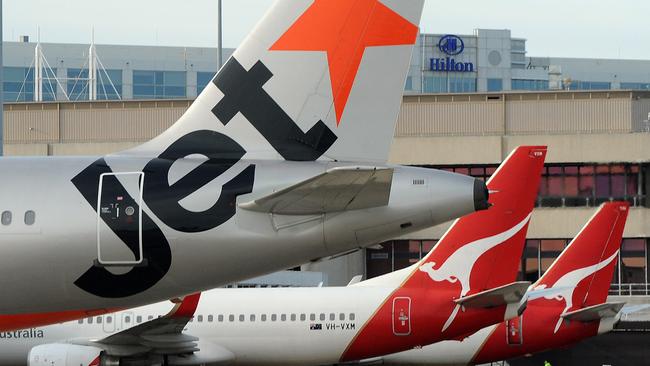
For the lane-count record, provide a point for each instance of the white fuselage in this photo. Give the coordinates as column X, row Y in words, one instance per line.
column 260, row 326
column 51, row 255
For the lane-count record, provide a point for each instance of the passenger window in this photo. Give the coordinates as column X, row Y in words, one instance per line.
column 252, row 317
column 99, row 320
column 351, row 316
column 341, row 317
column 303, row 317
column 6, row 218
column 293, row 317
column 242, row 317
column 81, row 321
column 263, row 317
column 210, row 318
column 30, row 218
column 109, row 319
column 322, row 317
column 127, row 319
column 332, row 316
column 139, row 319
column 312, row 317
column 90, row 320
column 220, row 318
column 283, row 317
column 274, row 317
column 231, row 318
column 200, row 318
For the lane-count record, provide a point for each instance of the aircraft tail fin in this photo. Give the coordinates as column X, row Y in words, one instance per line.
column 483, row 250
column 316, row 79
column 585, row 267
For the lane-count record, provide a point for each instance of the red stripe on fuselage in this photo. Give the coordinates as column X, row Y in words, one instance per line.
column 9, row 323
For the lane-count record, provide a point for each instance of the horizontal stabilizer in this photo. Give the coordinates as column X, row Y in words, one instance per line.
column 596, row 312
column 631, row 309
column 508, row 294
column 356, row 279
column 338, row 189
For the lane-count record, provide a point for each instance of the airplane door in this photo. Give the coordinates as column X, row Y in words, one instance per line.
column 514, row 330
column 402, row 316
column 119, row 219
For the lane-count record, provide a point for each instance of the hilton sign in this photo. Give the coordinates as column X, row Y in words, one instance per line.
column 452, row 46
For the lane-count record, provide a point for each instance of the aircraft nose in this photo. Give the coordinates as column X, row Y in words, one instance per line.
column 481, row 195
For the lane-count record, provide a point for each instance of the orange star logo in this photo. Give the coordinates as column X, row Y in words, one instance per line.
column 344, row 29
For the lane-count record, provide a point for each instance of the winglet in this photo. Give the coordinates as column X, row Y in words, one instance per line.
column 186, row 308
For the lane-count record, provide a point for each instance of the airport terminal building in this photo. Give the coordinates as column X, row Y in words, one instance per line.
column 486, row 61
column 469, row 100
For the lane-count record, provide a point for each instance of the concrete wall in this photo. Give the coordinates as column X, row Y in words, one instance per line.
column 591, row 148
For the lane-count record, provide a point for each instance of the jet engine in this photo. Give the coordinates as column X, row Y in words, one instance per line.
column 64, row 355
column 61, row 354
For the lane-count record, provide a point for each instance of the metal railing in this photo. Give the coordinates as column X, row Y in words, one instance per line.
column 630, row 289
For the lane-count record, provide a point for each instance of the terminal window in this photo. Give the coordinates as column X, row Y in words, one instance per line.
column 18, row 84
column 495, row 85
column 635, row 86
column 579, row 185
column 527, row 84
column 159, row 84
column 202, row 80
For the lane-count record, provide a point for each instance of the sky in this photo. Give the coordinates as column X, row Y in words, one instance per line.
column 558, row 28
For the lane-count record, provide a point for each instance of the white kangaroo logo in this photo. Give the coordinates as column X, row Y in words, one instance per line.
column 568, row 284
column 455, row 268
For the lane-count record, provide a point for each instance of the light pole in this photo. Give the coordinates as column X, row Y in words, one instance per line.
column 219, row 36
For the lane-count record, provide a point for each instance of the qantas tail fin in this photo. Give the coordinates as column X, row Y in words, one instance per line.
column 315, row 79
column 482, row 250
column 584, row 270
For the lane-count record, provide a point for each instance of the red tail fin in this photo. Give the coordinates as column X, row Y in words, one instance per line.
column 586, row 266
column 482, row 250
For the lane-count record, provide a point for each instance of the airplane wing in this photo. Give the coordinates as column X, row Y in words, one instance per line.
column 503, row 295
column 164, row 336
column 338, row 189
column 596, row 312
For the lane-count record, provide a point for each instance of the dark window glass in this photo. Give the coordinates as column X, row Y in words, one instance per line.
column 427, row 245
column 633, row 261
column 550, row 250
column 530, row 265
column 202, row 80
column 379, row 261
column 405, row 253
